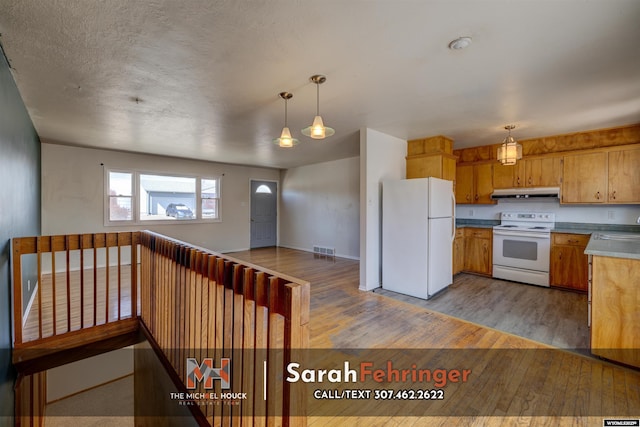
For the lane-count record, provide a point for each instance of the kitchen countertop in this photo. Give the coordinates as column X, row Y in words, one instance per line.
column 617, row 248
column 476, row 223
column 560, row 227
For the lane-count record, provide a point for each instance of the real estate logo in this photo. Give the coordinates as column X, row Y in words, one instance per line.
column 205, row 371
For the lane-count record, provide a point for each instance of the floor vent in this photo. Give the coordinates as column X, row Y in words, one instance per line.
column 323, row 250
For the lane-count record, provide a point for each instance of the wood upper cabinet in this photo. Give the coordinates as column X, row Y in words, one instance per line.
column 431, row 157
column 602, row 177
column 504, row 176
column 537, row 172
column 464, row 184
column 584, row 178
column 624, row 176
column 441, row 166
column 543, row 172
column 483, row 181
column 569, row 264
column 478, row 246
column 474, row 184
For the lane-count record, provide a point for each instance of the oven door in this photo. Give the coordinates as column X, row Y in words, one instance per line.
column 522, row 250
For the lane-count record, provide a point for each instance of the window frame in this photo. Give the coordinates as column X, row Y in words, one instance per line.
column 136, row 198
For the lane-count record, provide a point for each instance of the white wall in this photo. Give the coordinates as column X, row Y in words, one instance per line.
column 320, row 206
column 381, row 157
column 73, row 194
column 610, row 214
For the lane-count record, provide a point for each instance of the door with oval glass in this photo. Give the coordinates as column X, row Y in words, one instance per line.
column 264, row 209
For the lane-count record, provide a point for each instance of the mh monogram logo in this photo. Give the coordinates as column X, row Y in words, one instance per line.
column 205, row 371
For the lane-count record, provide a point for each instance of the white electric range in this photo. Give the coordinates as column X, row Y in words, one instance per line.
column 522, row 246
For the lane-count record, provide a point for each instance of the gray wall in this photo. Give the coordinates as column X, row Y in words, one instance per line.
column 320, row 206
column 19, row 211
column 73, row 194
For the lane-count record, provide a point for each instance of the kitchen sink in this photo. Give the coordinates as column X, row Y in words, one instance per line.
column 614, row 236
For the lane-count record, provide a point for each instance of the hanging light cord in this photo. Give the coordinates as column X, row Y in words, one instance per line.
column 285, row 112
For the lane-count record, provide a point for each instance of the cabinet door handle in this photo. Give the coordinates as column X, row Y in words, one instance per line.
column 468, row 196
column 518, row 181
column 530, row 181
column 572, row 241
column 598, row 195
column 613, row 195
column 476, row 197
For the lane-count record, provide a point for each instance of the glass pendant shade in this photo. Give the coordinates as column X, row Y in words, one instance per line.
column 318, row 130
column 285, row 140
column 510, row 151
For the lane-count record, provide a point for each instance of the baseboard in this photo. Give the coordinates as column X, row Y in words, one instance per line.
column 311, row 251
column 228, row 251
column 25, row 315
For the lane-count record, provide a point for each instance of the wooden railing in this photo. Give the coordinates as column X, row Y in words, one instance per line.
column 84, row 282
column 193, row 303
column 199, row 304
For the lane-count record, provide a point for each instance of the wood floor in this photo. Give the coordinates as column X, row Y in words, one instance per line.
column 110, row 305
column 516, row 381
column 551, row 316
column 521, row 382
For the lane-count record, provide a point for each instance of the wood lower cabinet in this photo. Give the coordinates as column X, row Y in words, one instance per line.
column 458, row 251
column 615, row 309
column 569, row 264
column 478, row 246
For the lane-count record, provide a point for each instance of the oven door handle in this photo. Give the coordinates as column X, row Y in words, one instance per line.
column 529, row 234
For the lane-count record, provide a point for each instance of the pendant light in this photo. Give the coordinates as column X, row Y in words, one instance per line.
column 510, row 151
column 318, row 130
column 285, row 140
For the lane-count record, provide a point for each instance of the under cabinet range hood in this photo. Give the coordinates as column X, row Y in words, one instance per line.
column 526, row 193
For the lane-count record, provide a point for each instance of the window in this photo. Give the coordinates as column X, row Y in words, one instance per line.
column 167, row 197
column 120, row 196
column 160, row 198
column 263, row 189
column 210, row 197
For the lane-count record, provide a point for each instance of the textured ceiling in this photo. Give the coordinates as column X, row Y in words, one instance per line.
column 200, row 78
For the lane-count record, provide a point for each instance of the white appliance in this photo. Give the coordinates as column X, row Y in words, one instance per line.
column 522, row 246
column 417, row 235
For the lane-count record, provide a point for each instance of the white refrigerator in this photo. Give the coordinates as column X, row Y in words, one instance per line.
column 418, row 228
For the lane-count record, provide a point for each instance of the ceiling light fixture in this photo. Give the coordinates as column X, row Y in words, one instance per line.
column 460, row 43
column 318, row 130
column 285, row 140
column 510, row 151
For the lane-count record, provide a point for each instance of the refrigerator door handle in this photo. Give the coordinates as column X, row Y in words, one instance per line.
column 453, row 217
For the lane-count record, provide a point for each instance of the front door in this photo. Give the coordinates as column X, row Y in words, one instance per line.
column 264, row 209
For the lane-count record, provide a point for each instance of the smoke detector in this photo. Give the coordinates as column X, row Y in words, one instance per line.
column 460, row 43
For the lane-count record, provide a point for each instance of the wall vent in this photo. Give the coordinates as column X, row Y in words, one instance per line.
column 324, row 250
